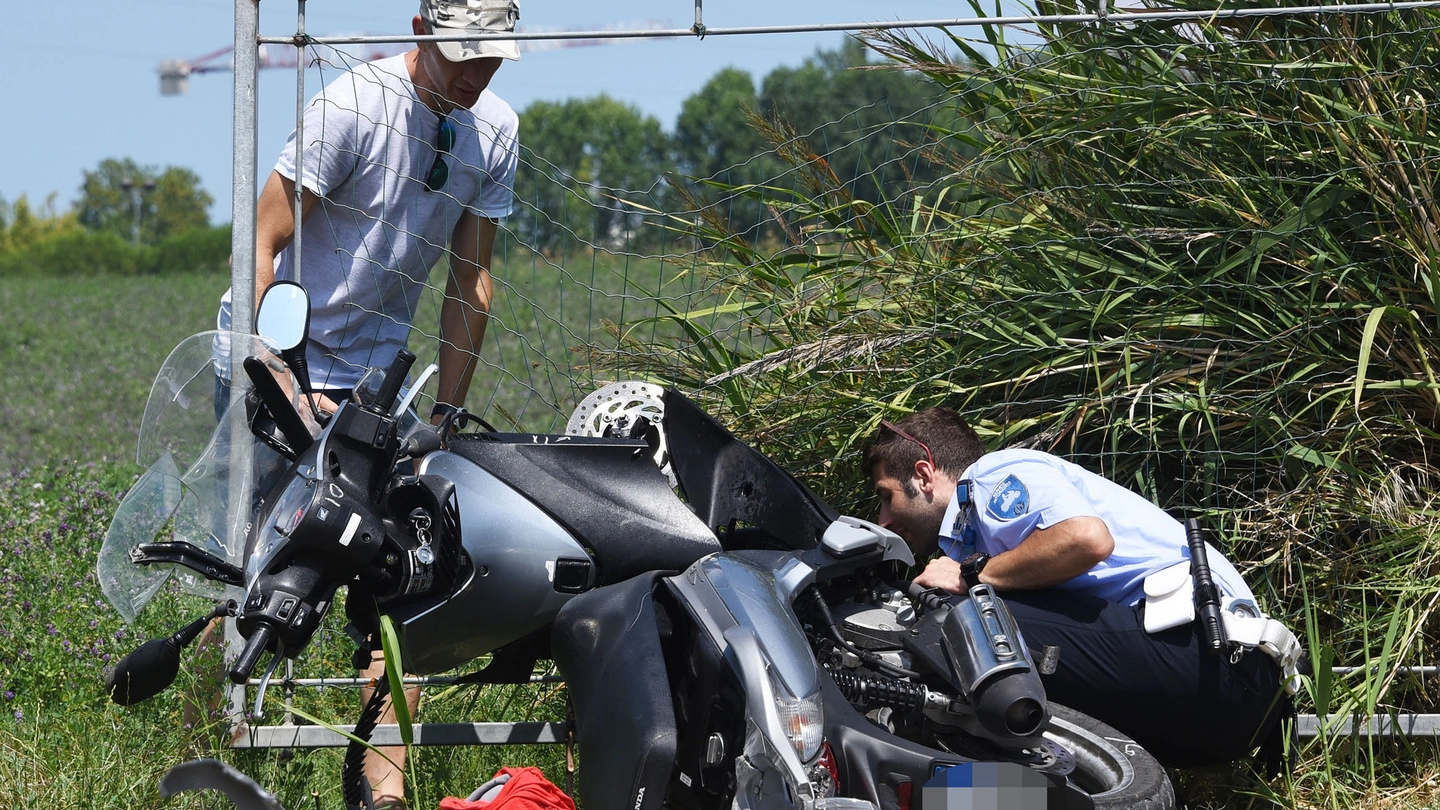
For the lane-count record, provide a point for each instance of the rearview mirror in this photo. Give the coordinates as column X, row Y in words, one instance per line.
column 283, row 317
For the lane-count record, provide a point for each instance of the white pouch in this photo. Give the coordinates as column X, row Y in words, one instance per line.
column 1169, row 598
column 1247, row 628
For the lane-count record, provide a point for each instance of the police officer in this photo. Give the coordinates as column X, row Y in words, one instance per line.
column 1071, row 553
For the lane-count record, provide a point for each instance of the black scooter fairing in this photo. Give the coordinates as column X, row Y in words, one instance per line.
column 606, row 643
column 610, row 495
column 729, row 483
column 607, row 493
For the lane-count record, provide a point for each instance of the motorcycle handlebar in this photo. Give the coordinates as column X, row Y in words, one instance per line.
column 394, row 379
column 930, row 598
column 250, row 656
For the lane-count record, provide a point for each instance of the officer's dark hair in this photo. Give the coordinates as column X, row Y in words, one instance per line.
column 952, row 442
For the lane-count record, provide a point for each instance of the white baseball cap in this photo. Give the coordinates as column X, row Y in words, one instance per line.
column 476, row 16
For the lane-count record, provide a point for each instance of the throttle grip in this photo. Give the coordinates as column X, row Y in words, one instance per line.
column 927, row 597
column 394, row 379
column 250, row 656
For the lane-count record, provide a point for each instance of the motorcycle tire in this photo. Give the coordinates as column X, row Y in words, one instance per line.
column 1116, row 772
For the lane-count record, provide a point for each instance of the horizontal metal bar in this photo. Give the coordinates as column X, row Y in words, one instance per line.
column 446, row 680
column 410, row 680
column 1400, row 725
column 547, row 733
column 1119, row 17
column 1408, row 670
column 293, row 736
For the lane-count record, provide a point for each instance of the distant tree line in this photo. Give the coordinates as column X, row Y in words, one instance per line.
column 129, row 219
column 595, row 173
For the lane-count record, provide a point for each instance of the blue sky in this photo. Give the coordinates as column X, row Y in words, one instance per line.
column 82, row 85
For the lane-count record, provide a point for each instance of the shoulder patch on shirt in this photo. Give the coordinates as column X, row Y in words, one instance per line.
column 1010, row 501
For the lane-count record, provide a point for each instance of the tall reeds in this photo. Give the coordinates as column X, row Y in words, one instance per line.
column 1198, row 257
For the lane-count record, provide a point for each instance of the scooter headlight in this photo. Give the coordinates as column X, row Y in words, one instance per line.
column 276, row 527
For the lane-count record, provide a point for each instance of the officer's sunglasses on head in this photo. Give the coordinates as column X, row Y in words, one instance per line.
column 902, row 434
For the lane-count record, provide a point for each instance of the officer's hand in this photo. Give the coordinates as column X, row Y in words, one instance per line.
column 942, row 573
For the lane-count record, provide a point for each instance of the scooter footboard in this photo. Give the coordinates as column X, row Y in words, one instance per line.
column 606, row 643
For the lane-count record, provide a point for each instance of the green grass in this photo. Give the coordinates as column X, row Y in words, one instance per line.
column 70, row 403
column 79, row 355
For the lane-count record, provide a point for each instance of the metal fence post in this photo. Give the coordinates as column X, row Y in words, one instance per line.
column 242, row 289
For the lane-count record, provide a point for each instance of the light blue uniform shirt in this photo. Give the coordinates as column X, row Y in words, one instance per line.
column 1015, row 492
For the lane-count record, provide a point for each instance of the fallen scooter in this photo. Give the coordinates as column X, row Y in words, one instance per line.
column 728, row 639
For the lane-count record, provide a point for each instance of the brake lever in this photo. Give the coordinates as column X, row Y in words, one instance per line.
column 187, row 555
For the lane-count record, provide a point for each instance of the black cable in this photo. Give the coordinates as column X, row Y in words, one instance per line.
column 865, row 656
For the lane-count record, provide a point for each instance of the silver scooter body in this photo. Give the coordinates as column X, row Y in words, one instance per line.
column 515, row 548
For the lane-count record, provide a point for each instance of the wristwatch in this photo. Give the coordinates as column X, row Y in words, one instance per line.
column 971, row 566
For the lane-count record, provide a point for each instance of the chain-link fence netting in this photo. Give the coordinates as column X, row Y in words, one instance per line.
column 1192, row 250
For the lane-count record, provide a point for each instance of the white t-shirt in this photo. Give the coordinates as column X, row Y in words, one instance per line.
column 1015, row 492
column 369, row 244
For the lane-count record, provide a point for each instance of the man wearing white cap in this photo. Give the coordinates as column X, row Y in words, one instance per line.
column 397, row 159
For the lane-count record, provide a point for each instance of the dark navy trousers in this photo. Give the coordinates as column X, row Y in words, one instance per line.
column 1183, row 704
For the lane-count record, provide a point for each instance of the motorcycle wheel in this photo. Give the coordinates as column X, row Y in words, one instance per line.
column 1116, row 772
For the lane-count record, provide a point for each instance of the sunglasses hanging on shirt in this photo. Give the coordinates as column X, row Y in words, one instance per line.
column 439, row 170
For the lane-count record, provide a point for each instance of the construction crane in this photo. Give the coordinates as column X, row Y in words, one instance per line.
column 175, row 73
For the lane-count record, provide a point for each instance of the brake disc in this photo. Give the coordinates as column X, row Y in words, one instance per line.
column 1052, row 757
column 616, row 410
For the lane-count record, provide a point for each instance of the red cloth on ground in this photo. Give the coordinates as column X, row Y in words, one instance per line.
column 528, row 789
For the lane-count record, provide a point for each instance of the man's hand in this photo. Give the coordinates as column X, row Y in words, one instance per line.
column 325, row 405
column 942, row 573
